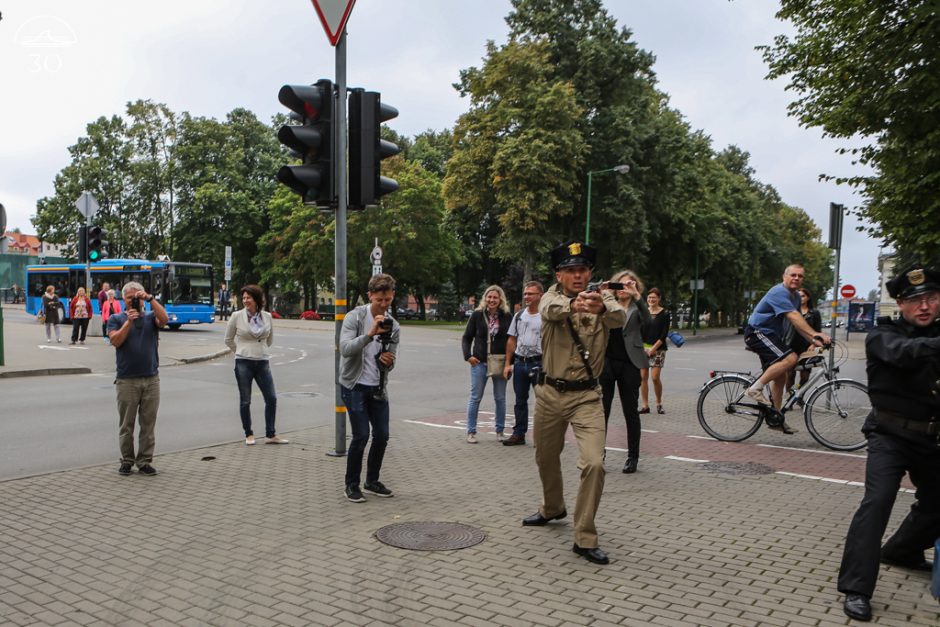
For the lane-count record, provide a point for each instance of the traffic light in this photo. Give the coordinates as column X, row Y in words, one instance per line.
column 97, row 245
column 367, row 148
column 82, row 244
column 311, row 142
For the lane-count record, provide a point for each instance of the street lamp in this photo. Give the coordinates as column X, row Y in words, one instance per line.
column 619, row 169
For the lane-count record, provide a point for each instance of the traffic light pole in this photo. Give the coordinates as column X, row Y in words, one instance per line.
column 87, row 263
column 339, row 186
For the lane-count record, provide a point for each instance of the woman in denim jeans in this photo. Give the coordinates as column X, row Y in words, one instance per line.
column 486, row 332
column 250, row 333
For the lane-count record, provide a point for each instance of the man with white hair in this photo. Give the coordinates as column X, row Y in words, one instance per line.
column 134, row 334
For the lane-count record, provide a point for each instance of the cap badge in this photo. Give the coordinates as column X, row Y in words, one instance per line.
column 916, row 277
column 574, row 248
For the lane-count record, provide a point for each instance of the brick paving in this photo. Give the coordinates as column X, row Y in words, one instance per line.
column 262, row 536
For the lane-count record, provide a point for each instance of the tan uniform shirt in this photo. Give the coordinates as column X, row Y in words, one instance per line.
column 560, row 357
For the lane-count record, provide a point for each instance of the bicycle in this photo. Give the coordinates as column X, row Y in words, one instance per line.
column 834, row 411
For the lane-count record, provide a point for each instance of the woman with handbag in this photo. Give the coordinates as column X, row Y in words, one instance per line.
column 624, row 360
column 484, row 348
column 654, row 341
column 52, row 312
column 80, row 313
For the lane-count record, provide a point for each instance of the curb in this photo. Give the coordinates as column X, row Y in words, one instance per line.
column 198, row 358
column 39, row 372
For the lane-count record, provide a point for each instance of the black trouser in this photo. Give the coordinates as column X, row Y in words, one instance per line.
column 889, row 456
column 626, row 376
column 79, row 324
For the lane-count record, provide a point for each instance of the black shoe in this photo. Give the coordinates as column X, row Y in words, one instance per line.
column 630, row 466
column 514, row 440
column 857, row 606
column 353, row 494
column 147, row 470
column 537, row 520
column 377, row 488
column 595, row 555
column 783, row 427
column 125, row 469
column 920, row 566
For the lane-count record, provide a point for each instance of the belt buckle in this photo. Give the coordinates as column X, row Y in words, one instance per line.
column 561, row 385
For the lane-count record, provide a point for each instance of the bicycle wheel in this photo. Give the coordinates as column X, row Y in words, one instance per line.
column 719, row 412
column 835, row 413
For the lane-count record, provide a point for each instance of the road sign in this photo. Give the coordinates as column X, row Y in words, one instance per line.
column 696, row 284
column 87, row 204
column 228, row 263
column 333, row 15
column 847, row 291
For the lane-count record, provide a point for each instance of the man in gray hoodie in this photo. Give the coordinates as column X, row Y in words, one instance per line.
column 368, row 344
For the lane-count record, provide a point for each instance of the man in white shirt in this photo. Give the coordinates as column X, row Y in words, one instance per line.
column 524, row 354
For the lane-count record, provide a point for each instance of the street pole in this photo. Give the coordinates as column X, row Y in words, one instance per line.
column 587, row 226
column 835, row 242
column 620, row 169
column 339, row 185
column 695, row 296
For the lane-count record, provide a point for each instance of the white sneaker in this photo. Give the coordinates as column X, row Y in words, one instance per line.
column 499, row 436
column 471, row 438
column 758, row 396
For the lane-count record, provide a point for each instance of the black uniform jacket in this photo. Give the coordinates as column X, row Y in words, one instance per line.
column 904, row 369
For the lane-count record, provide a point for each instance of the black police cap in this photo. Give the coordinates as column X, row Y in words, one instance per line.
column 573, row 253
column 914, row 280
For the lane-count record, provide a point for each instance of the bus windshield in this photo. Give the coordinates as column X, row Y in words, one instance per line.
column 188, row 284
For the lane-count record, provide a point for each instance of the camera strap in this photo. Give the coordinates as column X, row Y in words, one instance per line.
column 582, row 351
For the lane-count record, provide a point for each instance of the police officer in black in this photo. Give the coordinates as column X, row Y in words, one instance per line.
column 903, row 430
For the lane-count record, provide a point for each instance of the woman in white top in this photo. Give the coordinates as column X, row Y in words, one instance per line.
column 250, row 333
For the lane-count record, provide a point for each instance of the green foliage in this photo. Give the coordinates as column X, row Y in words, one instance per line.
column 870, row 72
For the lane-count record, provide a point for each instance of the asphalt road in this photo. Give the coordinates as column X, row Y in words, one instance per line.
column 60, row 422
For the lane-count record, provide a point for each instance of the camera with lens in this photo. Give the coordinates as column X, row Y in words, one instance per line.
column 386, row 325
column 135, row 303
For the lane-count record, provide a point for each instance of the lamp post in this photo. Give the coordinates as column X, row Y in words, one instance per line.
column 619, row 169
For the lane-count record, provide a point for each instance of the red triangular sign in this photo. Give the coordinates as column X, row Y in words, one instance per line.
column 333, row 15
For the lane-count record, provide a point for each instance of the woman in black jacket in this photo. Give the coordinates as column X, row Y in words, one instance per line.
column 486, row 333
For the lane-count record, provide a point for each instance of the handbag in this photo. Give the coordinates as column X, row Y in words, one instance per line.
column 494, row 363
column 676, row 338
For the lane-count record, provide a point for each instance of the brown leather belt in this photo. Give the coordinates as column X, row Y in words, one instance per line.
column 930, row 426
column 563, row 385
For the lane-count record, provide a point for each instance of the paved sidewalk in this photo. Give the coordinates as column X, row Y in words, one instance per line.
column 236, row 535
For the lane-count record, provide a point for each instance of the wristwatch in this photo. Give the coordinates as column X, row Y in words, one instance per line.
column 149, row 298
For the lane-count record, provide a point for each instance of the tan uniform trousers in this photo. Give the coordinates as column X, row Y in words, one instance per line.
column 554, row 410
column 138, row 400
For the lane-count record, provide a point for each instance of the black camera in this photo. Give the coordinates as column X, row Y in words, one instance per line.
column 386, row 324
column 535, row 375
column 135, row 303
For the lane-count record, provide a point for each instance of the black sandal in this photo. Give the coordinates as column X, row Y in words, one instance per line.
column 644, row 410
column 660, row 410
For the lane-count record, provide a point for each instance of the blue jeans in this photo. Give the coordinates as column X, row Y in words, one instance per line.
column 259, row 370
column 521, row 384
column 477, row 386
column 365, row 407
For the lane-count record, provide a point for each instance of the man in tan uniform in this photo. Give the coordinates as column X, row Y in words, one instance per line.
column 568, row 391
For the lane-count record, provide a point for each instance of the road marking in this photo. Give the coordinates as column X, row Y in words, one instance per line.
column 431, row 424
column 689, row 369
column 686, row 459
column 52, row 348
column 809, row 450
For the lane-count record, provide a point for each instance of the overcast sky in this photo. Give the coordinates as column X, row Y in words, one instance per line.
column 65, row 63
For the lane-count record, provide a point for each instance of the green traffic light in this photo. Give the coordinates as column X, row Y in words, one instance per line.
column 94, row 255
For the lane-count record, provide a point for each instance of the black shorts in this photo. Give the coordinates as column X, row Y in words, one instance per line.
column 768, row 346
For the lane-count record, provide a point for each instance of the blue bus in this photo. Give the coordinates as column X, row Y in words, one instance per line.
column 185, row 289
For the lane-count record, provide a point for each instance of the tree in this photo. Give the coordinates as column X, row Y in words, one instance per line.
column 517, row 152
column 871, row 70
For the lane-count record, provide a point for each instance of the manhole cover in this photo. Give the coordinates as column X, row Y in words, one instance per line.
column 430, row 536
column 738, row 468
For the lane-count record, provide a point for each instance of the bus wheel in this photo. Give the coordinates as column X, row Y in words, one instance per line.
column 174, row 327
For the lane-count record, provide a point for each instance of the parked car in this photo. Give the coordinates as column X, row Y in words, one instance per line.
column 406, row 314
